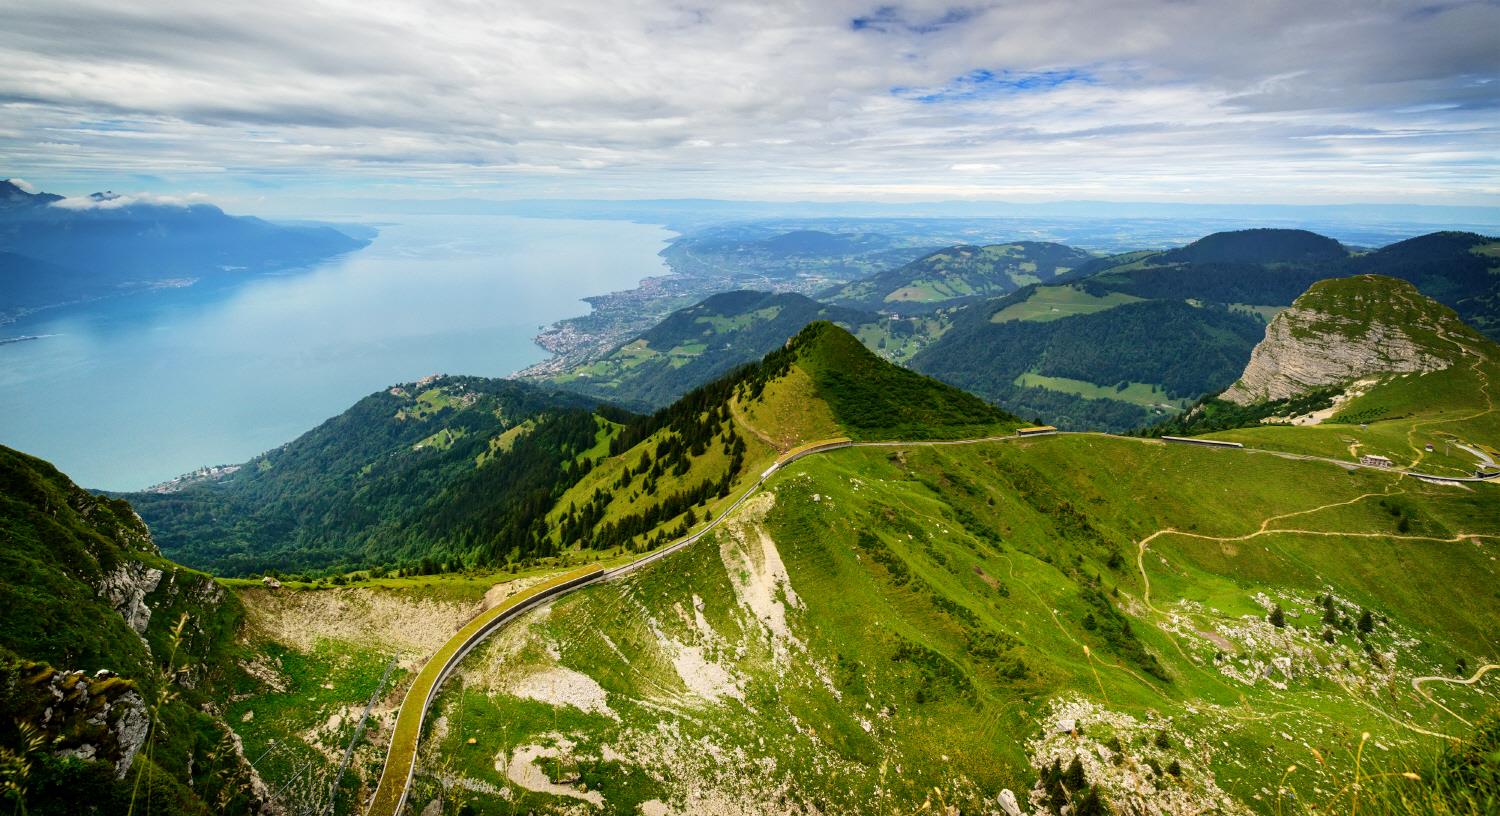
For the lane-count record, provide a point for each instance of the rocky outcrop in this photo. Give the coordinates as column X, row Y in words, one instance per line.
column 126, row 589
column 1344, row 330
column 92, row 717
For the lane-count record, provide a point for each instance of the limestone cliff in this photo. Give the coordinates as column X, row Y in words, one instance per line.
column 1344, row 329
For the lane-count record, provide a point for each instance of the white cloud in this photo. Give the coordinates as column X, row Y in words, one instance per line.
column 23, row 184
column 1123, row 98
column 115, row 201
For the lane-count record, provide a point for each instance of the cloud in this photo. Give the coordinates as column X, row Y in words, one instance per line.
column 23, row 184
column 115, row 201
column 789, row 99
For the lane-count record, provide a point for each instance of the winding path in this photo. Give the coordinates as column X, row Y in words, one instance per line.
column 1416, row 682
column 401, row 758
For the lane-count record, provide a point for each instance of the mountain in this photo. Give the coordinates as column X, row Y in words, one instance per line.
column 1458, row 269
column 60, row 250
column 1363, row 366
column 426, row 469
column 113, row 660
column 1259, row 247
column 1062, row 624
column 14, row 197
column 701, row 342
column 466, row 471
column 957, row 274
column 1344, row 329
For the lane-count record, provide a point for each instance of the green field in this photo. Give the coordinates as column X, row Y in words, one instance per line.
column 1143, row 394
column 1056, row 302
column 944, row 607
column 1267, row 313
column 1398, row 419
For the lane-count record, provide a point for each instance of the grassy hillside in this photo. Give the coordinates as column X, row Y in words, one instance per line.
column 958, row 274
column 701, row 343
column 112, row 661
column 667, row 473
column 938, row 624
column 1080, row 361
column 439, row 469
column 1396, row 415
column 462, row 472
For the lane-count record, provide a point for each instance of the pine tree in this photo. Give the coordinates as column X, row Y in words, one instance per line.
column 1278, row 617
column 1073, row 777
column 1090, row 804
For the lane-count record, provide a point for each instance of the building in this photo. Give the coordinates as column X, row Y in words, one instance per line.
column 1036, row 430
column 1375, row 460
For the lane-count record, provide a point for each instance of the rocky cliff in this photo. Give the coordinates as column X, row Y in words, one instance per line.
column 111, row 659
column 1346, row 329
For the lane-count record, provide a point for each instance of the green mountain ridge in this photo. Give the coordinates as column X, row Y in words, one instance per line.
column 465, row 471
column 90, row 617
column 1363, row 364
column 958, row 274
column 1116, row 343
column 396, row 478
column 1078, row 623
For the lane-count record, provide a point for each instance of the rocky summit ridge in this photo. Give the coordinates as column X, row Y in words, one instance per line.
column 1344, row 329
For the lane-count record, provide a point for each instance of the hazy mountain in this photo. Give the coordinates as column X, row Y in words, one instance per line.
column 59, row 250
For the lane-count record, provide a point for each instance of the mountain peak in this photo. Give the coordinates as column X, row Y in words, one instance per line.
column 1344, row 329
column 13, row 194
column 1260, row 246
column 869, row 397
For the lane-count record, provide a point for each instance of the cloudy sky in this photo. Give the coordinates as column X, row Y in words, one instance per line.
column 1327, row 101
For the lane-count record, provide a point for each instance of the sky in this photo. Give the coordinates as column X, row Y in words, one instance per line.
column 1263, row 101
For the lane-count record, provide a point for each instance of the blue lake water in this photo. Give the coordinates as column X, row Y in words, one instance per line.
column 134, row 390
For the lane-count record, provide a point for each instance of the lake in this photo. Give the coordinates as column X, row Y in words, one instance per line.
column 130, row 391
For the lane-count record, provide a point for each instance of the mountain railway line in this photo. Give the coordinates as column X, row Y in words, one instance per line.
column 401, row 758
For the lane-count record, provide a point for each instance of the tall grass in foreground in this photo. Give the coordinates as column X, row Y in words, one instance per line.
column 1462, row 779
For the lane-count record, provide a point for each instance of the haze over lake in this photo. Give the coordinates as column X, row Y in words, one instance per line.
column 131, row 391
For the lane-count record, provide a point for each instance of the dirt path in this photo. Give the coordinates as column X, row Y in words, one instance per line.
column 1416, row 682
column 1265, row 529
column 1140, row 554
column 1478, row 368
column 734, row 411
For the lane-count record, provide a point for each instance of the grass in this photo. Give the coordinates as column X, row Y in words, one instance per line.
column 407, row 730
column 285, row 732
column 1398, row 419
column 428, row 403
column 1056, row 302
column 1144, row 394
column 926, row 576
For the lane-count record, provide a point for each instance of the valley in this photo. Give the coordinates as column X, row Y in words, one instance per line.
column 819, row 582
column 1080, row 408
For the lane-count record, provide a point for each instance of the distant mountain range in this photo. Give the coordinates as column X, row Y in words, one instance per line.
column 55, row 250
column 1084, row 599
column 959, row 274
column 1080, row 341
